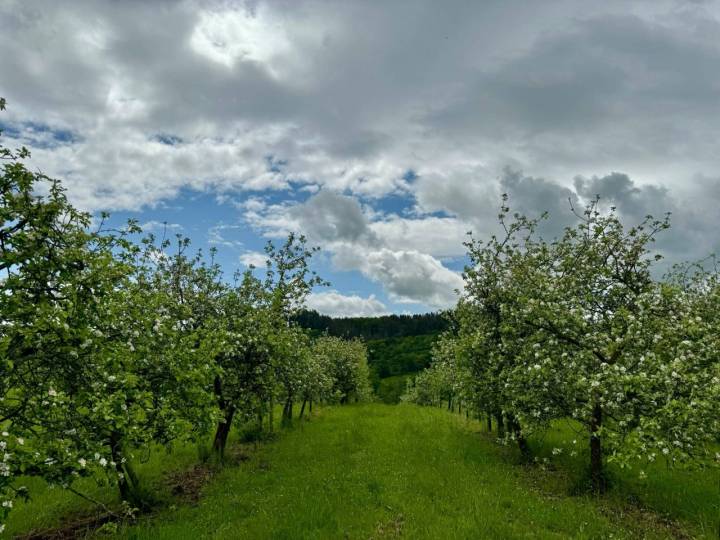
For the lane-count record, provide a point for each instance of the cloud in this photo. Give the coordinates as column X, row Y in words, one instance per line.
column 331, row 217
column 154, row 225
column 253, row 258
column 436, row 236
column 570, row 89
column 335, row 304
column 693, row 216
column 289, row 108
column 382, row 250
column 217, row 235
column 413, row 277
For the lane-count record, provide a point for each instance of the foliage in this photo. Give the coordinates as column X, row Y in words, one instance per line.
column 580, row 328
column 400, row 355
column 109, row 345
column 373, row 328
column 347, row 364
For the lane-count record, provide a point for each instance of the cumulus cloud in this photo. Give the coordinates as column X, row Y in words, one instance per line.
column 199, row 93
column 382, row 250
column 335, row 304
column 411, row 276
column 287, row 108
column 332, row 217
column 437, row 236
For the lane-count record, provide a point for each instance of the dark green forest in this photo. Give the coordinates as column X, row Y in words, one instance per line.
column 398, row 345
column 388, row 326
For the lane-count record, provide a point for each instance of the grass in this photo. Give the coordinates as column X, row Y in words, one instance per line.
column 689, row 496
column 377, row 471
column 49, row 507
column 390, row 389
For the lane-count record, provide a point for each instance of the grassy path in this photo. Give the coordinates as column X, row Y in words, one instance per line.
column 376, row 471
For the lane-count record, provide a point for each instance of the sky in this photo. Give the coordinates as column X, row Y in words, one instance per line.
column 382, row 130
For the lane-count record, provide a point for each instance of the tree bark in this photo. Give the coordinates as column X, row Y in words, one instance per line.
column 127, row 479
column 311, row 403
column 516, row 429
column 597, row 475
column 302, row 409
column 500, row 424
column 489, row 423
column 222, row 432
column 287, row 411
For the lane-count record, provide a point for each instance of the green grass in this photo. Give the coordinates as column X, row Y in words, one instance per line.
column 49, row 507
column 378, row 471
column 688, row 495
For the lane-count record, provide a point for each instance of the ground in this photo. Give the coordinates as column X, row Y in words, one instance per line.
column 373, row 471
column 378, row 471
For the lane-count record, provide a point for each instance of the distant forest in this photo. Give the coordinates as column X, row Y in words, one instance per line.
column 388, row 326
column 398, row 345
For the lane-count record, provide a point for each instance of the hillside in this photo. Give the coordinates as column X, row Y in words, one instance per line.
column 398, row 345
column 388, row 326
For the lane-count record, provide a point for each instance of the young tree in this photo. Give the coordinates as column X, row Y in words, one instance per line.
column 590, row 316
column 484, row 318
column 264, row 351
column 348, row 367
column 246, row 377
column 288, row 281
column 52, row 267
column 97, row 360
column 317, row 380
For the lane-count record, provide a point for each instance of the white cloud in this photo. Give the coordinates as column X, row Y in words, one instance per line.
column 129, row 103
column 413, row 277
column 436, row 236
column 336, row 304
column 569, row 90
column 253, row 258
column 397, row 253
column 217, row 235
column 230, row 35
column 153, row 226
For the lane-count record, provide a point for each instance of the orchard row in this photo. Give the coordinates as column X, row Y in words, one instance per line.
column 583, row 328
column 110, row 345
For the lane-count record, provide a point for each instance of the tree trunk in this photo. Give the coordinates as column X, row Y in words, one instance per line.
column 523, row 445
column 516, row 429
column 222, row 432
column 500, row 425
column 311, row 406
column 597, row 475
column 459, row 407
column 489, row 423
column 302, row 409
column 127, row 479
column 287, row 411
column 271, row 415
